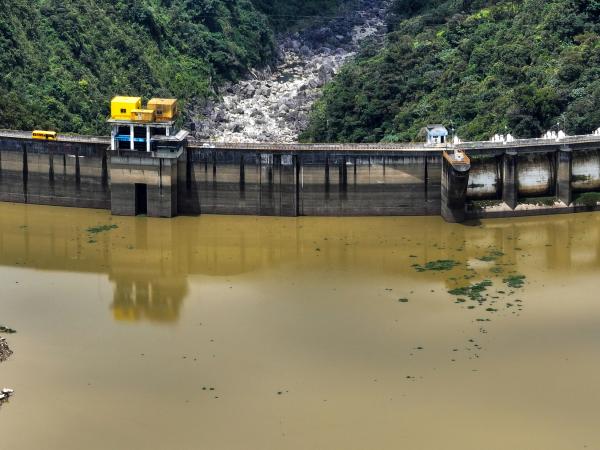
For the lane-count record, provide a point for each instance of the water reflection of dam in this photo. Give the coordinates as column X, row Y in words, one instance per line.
column 149, row 261
column 139, row 298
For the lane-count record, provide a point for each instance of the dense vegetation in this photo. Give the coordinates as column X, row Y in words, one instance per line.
column 284, row 14
column 61, row 60
column 481, row 66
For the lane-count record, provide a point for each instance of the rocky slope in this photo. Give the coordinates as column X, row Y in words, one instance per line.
column 273, row 105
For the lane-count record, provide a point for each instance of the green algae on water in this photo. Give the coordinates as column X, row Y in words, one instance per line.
column 101, row 228
column 491, row 256
column 473, row 292
column 515, row 281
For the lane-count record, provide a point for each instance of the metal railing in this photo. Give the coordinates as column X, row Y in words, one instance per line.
column 284, row 147
column 61, row 137
column 535, row 142
column 376, row 147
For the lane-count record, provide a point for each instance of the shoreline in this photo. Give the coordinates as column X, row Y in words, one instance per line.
column 5, row 353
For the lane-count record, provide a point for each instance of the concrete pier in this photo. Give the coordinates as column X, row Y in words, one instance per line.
column 142, row 184
column 564, row 191
column 509, row 179
column 455, row 180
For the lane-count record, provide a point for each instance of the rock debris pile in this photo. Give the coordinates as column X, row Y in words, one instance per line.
column 5, row 394
column 5, row 351
column 274, row 105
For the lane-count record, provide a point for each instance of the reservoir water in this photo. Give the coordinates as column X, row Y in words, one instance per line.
column 245, row 333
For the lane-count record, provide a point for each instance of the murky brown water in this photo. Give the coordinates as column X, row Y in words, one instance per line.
column 297, row 326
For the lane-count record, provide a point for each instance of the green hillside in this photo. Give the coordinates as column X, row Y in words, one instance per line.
column 483, row 66
column 61, row 60
column 284, row 14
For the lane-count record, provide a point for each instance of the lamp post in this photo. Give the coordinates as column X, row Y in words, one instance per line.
column 564, row 120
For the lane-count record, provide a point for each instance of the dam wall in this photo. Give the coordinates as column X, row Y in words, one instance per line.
column 536, row 174
column 54, row 173
column 541, row 179
column 221, row 181
column 318, row 183
column 525, row 178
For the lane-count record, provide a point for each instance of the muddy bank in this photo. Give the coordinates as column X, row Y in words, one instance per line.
column 273, row 105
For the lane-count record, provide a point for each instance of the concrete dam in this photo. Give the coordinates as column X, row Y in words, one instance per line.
column 495, row 179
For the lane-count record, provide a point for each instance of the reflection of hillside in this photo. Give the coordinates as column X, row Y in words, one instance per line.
column 149, row 260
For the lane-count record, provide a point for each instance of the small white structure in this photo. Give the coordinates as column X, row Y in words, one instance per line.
column 436, row 134
column 459, row 155
column 550, row 135
column 502, row 138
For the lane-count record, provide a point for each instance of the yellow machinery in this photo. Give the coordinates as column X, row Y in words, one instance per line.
column 165, row 108
column 150, row 128
column 143, row 115
column 130, row 109
column 121, row 108
column 44, row 135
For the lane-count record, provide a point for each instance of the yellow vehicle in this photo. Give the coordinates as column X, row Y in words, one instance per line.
column 44, row 135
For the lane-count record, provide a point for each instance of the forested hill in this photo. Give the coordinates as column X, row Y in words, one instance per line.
column 483, row 66
column 61, row 60
column 285, row 14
